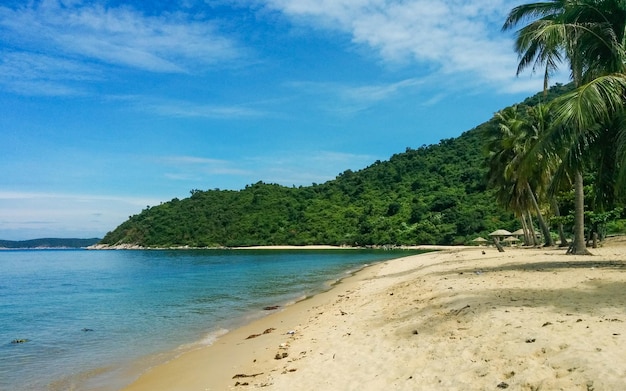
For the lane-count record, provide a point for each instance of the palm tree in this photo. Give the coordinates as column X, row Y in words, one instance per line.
column 593, row 122
column 515, row 180
column 536, row 172
column 589, row 34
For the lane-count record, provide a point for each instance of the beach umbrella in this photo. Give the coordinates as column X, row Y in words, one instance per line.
column 480, row 240
column 511, row 239
column 519, row 232
column 500, row 232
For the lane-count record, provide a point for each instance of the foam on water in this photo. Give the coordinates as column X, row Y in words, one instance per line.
column 209, row 339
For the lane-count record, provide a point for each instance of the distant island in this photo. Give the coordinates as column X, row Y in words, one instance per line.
column 48, row 243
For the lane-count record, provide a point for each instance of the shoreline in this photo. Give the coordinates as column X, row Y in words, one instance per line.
column 525, row 318
column 234, row 344
column 127, row 246
column 278, row 247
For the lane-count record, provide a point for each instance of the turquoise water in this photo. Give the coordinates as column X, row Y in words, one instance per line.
column 89, row 316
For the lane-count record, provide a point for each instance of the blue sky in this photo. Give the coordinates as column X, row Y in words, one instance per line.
column 109, row 106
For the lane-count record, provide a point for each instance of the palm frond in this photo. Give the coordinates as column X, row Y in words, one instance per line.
column 591, row 104
column 531, row 11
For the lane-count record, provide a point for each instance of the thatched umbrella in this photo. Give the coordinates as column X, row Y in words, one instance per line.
column 500, row 232
column 510, row 240
column 519, row 232
column 497, row 235
column 480, row 241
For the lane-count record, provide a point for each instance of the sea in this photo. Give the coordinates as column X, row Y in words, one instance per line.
column 94, row 320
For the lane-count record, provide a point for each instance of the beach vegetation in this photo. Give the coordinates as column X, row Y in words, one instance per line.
column 586, row 132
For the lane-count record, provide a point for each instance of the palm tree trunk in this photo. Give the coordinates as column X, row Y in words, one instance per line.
column 557, row 213
column 579, row 246
column 525, row 229
column 547, row 238
column 531, row 229
column 496, row 241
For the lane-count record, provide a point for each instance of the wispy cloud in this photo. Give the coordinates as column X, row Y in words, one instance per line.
column 27, row 215
column 303, row 168
column 379, row 92
column 286, row 167
column 120, row 36
column 49, row 36
column 191, row 110
column 40, row 74
column 74, row 197
column 356, row 98
column 194, row 168
column 451, row 39
column 185, row 160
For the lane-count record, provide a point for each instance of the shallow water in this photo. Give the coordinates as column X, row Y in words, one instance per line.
column 88, row 316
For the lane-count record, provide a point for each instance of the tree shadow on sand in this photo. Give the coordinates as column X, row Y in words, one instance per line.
column 547, row 266
column 594, row 297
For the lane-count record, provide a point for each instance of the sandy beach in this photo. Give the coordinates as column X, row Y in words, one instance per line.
column 456, row 319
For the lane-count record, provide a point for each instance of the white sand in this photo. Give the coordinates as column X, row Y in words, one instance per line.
column 526, row 319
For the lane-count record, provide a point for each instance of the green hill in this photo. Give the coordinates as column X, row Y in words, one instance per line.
column 431, row 195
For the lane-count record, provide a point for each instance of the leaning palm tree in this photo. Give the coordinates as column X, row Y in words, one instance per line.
column 499, row 151
column 589, row 35
column 515, row 180
column 536, row 172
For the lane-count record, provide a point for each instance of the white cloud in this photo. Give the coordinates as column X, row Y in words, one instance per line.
column 458, row 41
column 56, row 43
column 120, row 36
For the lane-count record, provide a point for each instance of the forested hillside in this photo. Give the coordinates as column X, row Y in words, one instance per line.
column 430, row 195
column 434, row 194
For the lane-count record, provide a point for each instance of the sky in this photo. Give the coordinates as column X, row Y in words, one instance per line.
column 107, row 107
